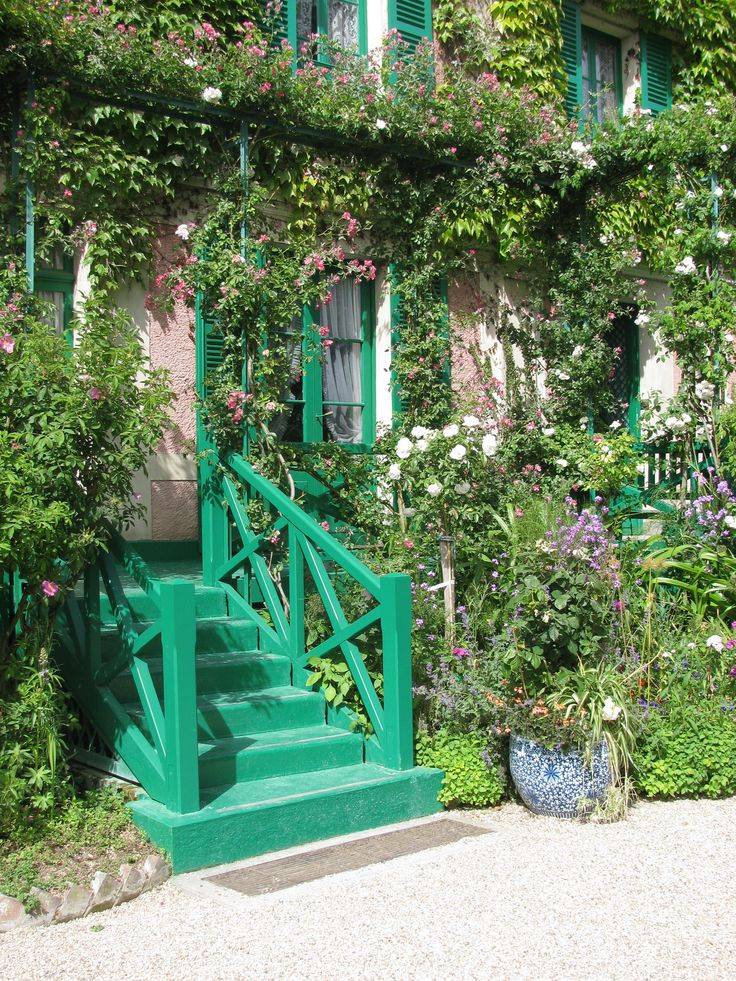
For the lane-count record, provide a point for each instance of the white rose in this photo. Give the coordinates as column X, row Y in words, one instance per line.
column 611, row 710
column 549, row 431
column 730, row 521
column 705, row 391
column 419, row 431
column 642, row 319
column 451, row 430
column 471, row 422
column 212, row 95
column 394, row 471
column 381, row 124
column 458, row 452
column 422, row 444
column 489, row 444
column 718, row 192
column 687, row 267
column 182, row 232
column 724, row 237
column 403, row 448
column 579, row 148
column 410, row 512
column 716, row 642
column 563, row 376
column 672, row 422
column 462, row 488
column 679, row 231
column 578, row 351
column 615, row 424
column 561, row 463
column 434, row 489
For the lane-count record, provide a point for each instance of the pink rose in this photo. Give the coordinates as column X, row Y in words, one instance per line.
column 49, row 588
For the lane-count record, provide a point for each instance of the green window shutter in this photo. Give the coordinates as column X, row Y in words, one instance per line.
column 412, row 19
column 656, row 73
column 286, row 27
column 209, row 347
column 572, row 57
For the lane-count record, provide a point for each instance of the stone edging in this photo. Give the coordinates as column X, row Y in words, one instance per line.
column 104, row 892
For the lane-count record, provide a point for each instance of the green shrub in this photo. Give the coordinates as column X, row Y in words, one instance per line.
column 468, row 779
column 689, row 751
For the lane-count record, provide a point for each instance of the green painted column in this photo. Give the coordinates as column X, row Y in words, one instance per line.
column 179, row 642
column 398, row 738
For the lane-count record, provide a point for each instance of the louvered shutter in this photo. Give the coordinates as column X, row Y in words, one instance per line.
column 656, row 73
column 572, row 57
column 286, row 26
column 412, row 19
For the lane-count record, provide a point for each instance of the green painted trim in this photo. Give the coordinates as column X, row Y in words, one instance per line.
column 572, row 54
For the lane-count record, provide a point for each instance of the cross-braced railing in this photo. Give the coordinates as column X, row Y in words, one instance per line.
column 153, row 729
column 274, row 599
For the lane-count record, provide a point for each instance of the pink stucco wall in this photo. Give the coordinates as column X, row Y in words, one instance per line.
column 171, row 346
column 464, row 299
column 174, row 510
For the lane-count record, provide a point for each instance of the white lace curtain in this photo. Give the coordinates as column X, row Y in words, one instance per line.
column 341, row 380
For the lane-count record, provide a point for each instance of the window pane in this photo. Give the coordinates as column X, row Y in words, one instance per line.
column 343, row 424
column 343, row 23
column 586, row 75
column 342, row 314
column 306, row 19
column 606, row 79
column 341, row 372
column 55, row 317
column 288, row 425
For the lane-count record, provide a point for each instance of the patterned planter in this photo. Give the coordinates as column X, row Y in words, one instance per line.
column 554, row 782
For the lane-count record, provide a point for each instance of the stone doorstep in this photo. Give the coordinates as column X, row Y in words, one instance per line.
column 104, row 892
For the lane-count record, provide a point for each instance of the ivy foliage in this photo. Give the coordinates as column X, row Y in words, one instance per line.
column 468, row 781
column 688, row 751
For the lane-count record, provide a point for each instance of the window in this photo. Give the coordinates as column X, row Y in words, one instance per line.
column 592, row 64
column 55, row 283
column 623, row 337
column 329, row 394
column 601, row 76
column 341, row 21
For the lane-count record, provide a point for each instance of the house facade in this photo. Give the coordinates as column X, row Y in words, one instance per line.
column 614, row 67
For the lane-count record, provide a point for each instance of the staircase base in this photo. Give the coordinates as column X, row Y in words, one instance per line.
column 329, row 804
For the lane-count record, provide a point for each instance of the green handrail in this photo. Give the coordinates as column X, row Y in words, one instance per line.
column 163, row 755
column 284, row 627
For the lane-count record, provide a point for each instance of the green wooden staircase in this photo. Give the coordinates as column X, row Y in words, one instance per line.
column 196, row 680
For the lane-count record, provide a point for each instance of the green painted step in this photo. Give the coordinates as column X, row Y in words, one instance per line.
column 268, row 754
column 218, row 673
column 213, row 635
column 210, row 601
column 244, row 713
column 280, row 812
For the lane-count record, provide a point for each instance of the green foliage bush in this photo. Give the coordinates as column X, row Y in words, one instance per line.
column 468, row 780
column 689, row 751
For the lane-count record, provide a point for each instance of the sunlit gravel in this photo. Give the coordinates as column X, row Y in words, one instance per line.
column 652, row 897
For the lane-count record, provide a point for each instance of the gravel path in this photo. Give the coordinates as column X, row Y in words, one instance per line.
column 652, row 897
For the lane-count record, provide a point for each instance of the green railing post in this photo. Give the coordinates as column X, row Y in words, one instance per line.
column 215, row 524
column 296, row 603
column 398, row 741
column 179, row 641
column 92, row 620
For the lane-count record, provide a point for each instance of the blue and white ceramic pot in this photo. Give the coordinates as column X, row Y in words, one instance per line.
column 558, row 782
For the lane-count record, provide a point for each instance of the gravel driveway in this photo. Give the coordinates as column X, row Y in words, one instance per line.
column 652, row 897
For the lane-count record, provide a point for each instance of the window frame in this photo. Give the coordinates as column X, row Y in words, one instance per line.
column 50, row 280
column 313, row 401
column 592, row 35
